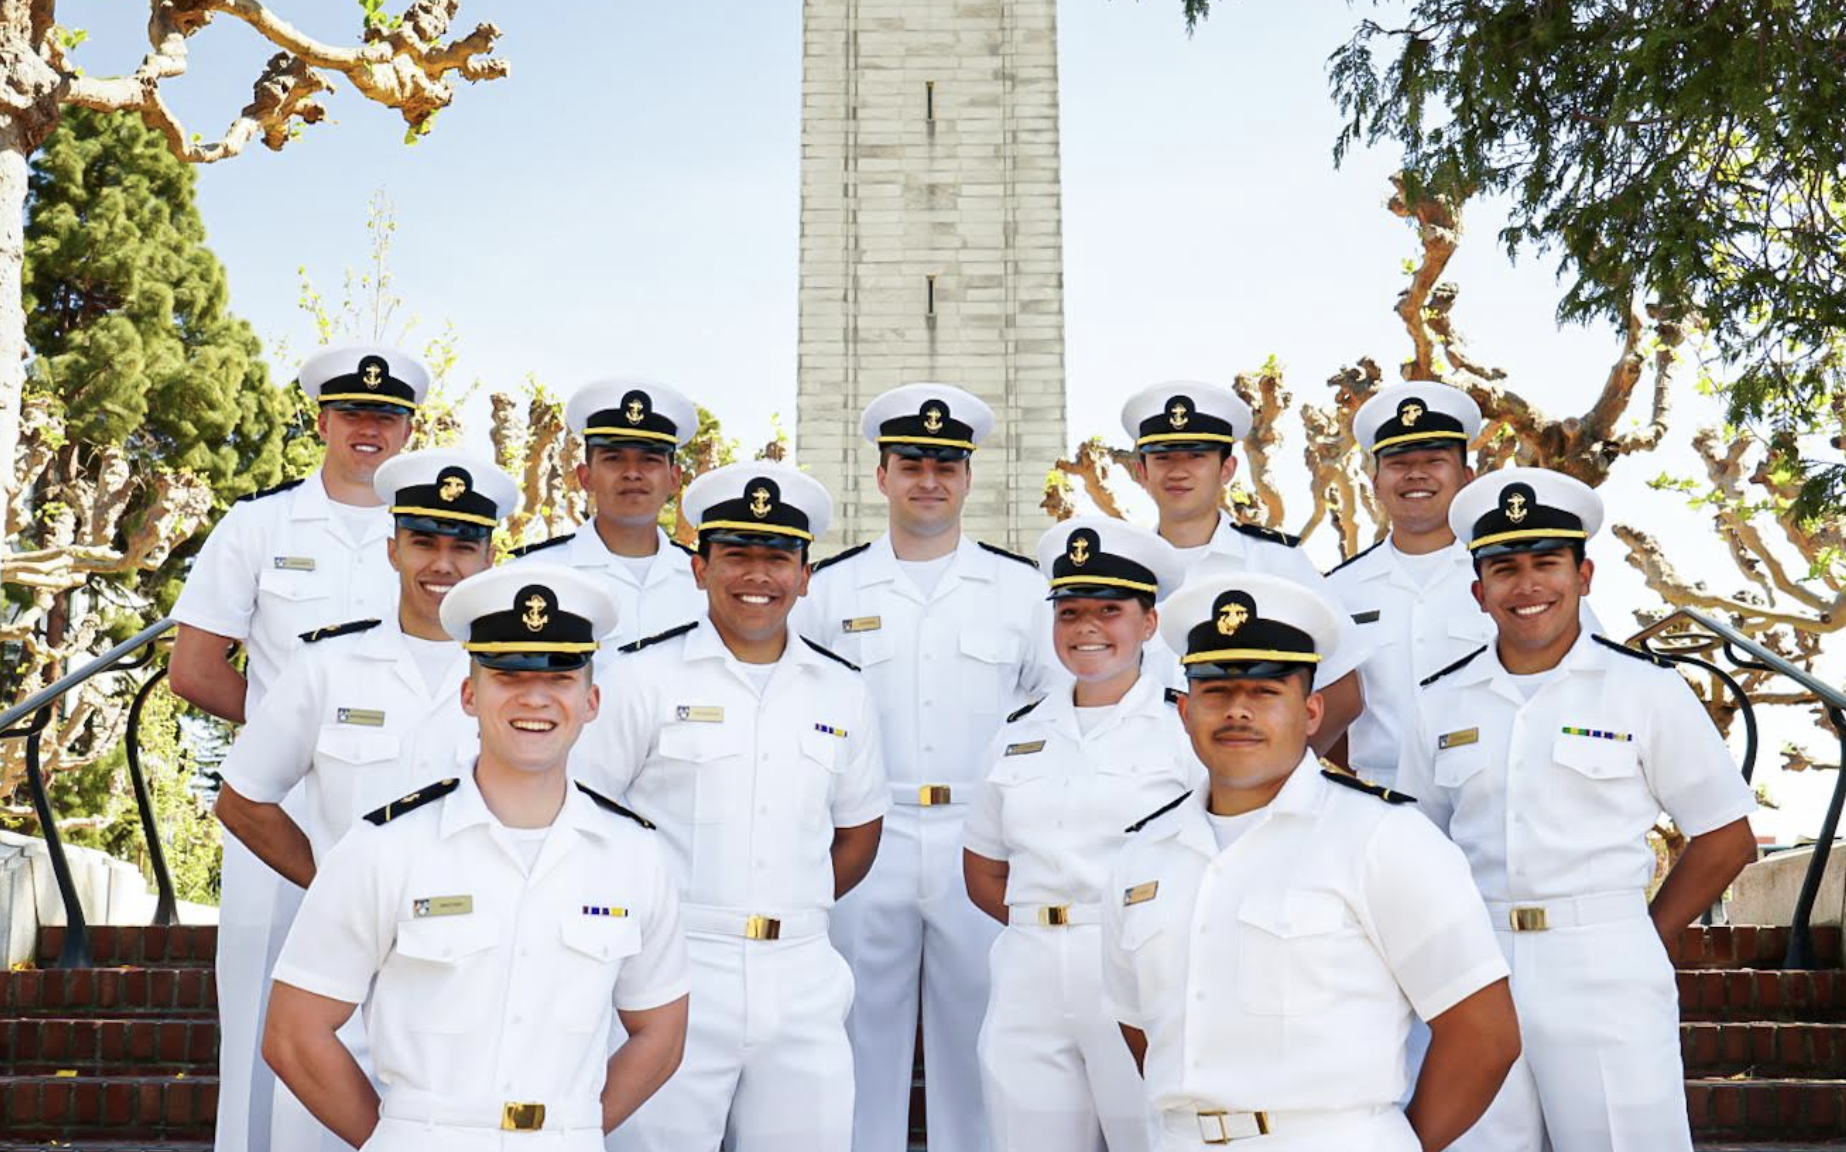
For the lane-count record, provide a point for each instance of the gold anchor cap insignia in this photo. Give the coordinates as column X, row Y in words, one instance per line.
column 1080, row 550
column 759, row 502
column 1410, row 413
column 534, row 617
column 1177, row 415
column 1516, row 507
column 932, row 419
column 634, row 412
column 451, row 489
column 372, row 376
column 1231, row 617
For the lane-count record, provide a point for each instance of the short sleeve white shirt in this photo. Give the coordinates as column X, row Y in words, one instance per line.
column 664, row 597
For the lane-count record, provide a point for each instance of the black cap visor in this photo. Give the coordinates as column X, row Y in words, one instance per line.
column 943, row 452
column 1248, row 670
column 441, row 527
column 532, row 661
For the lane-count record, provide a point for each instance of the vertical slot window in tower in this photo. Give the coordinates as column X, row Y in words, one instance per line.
column 929, row 101
column 929, row 295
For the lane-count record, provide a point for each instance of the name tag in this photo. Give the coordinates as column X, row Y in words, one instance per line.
column 364, row 717
column 1599, row 734
column 831, row 730
column 1025, row 749
column 1140, row 893
column 1365, row 617
column 604, row 910
column 295, row 563
column 442, row 906
column 863, row 624
column 1459, row 739
column 700, row 713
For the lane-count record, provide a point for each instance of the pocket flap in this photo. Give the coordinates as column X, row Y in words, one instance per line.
column 695, row 742
column 1594, row 757
column 1298, row 913
column 355, row 747
column 989, row 646
column 1140, row 923
column 292, row 585
column 444, row 939
column 822, row 748
column 1455, row 766
column 604, row 938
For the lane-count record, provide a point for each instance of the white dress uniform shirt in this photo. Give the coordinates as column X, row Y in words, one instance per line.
column 1053, row 1065
column 283, row 564
column 490, row 982
column 1551, row 798
column 747, row 787
column 1280, row 974
column 1415, row 621
column 946, row 666
column 277, row 565
column 353, row 718
column 666, row 597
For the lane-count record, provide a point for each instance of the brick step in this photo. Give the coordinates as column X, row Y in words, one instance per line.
column 46, row 1108
column 112, row 992
column 1767, row 1109
column 116, row 946
column 1747, row 946
column 1763, row 994
column 34, row 1045
column 1763, row 1049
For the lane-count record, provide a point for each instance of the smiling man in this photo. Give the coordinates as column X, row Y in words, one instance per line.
column 1547, row 755
column 631, row 428
column 494, row 920
column 1268, row 940
column 758, row 753
column 283, row 562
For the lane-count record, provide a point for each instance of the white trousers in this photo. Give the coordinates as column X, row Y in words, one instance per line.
column 415, row 1136
column 1055, row 1070
column 1599, row 1022
column 909, row 927
column 247, row 949
column 767, row 1065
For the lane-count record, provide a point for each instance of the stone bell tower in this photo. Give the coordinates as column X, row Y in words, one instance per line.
column 931, row 241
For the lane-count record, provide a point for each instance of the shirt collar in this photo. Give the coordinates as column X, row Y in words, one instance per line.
column 311, row 501
column 704, row 643
column 1303, row 794
column 466, row 808
column 1144, row 697
column 879, row 565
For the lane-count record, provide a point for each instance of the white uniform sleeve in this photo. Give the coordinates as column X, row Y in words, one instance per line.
column 348, row 920
column 220, row 591
column 1424, row 911
column 1121, row 996
column 1415, row 769
column 656, row 974
column 981, row 831
column 861, row 793
column 1687, row 764
column 275, row 749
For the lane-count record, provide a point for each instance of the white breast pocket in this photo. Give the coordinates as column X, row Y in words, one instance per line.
column 822, row 759
column 354, row 771
column 1455, row 767
column 1595, row 758
column 988, row 670
column 1288, row 951
column 591, row 960
column 447, row 978
column 688, row 779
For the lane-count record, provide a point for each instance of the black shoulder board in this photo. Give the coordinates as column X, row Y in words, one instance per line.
column 1625, row 650
column 650, row 641
column 1441, row 672
column 1173, row 695
column 686, row 548
column 1158, row 812
column 606, row 803
column 999, row 551
column 830, row 654
column 1269, row 534
column 1367, row 787
column 332, row 630
column 258, row 495
column 839, row 556
column 413, row 801
column 528, row 549
column 1017, row 713
column 1356, row 556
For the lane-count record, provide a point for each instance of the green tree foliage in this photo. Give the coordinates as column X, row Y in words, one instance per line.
column 1691, row 151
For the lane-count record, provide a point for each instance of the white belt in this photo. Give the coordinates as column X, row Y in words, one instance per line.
column 508, row 1116
column 931, row 795
column 1573, row 912
column 1052, row 915
column 1219, row 1127
column 752, row 925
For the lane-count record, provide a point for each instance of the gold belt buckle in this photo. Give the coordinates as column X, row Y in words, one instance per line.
column 1529, row 919
column 1219, row 1133
column 522, row 1117
column 762, row 928
column 930, row 795
column 1054, row 915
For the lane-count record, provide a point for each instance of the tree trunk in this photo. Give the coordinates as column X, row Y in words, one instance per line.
column 13, row 152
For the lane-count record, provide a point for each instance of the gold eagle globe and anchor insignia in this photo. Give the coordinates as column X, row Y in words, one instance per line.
column 534, row 617
column 932, row 420
column 1410, row 414
column 1080, row 551
column 1516, row 507
column 634, row 412
column 451, row 489
column 1177, row 415
column 1231, row 617
column 759, row 502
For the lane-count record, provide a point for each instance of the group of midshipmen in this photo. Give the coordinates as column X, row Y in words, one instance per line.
column 678, row 849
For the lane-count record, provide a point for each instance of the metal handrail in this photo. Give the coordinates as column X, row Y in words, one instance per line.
column 1800, row 953
column 39, row 707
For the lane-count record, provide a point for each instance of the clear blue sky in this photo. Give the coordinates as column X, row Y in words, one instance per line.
column 627, row 202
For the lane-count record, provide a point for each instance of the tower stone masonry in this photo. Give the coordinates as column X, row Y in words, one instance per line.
column 931, row 242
